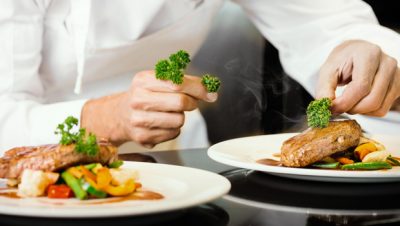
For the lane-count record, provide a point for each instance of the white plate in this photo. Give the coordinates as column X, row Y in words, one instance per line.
column 181, row 187
column 244, row 152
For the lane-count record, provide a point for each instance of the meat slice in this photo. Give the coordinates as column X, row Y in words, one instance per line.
column 51, row 158
column 314, row 144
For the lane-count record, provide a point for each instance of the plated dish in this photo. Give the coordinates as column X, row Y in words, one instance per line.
column 246, row 153
column 82, row 177
column 181, row 187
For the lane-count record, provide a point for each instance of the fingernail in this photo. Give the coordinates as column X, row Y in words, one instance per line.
column 211, row 97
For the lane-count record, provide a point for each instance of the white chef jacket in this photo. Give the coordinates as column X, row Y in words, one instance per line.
column 51, row 48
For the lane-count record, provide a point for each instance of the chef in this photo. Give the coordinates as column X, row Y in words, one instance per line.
column 94, row 59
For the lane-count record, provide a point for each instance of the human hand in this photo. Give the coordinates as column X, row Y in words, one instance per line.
column 150, row 112
column 372, row 78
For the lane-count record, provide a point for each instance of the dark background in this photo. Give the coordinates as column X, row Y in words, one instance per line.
column 257, row 96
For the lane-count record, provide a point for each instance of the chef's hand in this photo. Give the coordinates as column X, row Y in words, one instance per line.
column 150, row 112
column 371, row 76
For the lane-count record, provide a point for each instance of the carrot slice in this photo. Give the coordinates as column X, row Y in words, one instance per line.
column 364, row 149
column 344, row 160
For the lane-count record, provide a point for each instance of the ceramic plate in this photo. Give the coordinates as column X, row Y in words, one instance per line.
column 181, row 187
column 244, row 152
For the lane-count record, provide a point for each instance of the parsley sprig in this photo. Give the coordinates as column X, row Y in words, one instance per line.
column 173, row 69
column 318, row 113
column 211, row 83
column 86, row 144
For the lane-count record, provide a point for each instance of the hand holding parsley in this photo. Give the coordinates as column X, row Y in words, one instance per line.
column 151, row 111
column 172, row 69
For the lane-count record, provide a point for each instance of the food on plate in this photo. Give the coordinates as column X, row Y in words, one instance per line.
column 340, row 145
column 314, row 144
column 211, row 83
column 173, row 67
column 51, row 158
column 333, row 144
column 79, row 166
column 318, row 113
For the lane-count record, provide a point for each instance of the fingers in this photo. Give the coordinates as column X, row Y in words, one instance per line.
column 166, row 102
column 362, row 77
column 163, row 120
column 191, row 86
column 392, row 94
column 156, row 106
column 150, row 137
column 381, row 84
column 328, row 80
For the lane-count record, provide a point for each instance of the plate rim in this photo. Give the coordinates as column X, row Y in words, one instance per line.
column 358, row 176
column 126, row 210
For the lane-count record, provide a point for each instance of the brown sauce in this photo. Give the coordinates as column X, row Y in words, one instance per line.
column 140, row 195
column 9, row 194
column 277, row 155
column 269, row 162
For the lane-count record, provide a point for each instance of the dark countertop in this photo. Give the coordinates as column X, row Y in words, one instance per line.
column 260, row 199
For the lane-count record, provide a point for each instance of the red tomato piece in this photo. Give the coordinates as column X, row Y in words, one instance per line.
column 59, row 191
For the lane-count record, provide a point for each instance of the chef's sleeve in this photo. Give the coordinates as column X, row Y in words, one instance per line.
column 25, row 118
column 306, row 31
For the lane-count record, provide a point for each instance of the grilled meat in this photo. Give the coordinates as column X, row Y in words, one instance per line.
column 314, row 144
column 51, row 158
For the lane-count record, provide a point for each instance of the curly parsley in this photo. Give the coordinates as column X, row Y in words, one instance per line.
column 318, row 113
column 83, row 144
column 172, row 69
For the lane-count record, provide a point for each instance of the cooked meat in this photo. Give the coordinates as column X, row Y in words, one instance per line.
column 314, row 144
column 51, row 158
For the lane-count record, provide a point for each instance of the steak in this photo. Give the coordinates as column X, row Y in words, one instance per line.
column 52, row 158
column 314, row 144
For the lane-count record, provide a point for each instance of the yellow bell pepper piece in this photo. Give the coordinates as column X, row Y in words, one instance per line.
column 96, row 168
column 121, row 190
column 103, row 177
column 87, row 174
column 75, row 172
column 364, row 149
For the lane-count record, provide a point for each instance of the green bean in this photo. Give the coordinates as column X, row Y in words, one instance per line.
column 74, row 184
column 332, row 165
column 116, row 164
column 393, row 161
column 90, row 166
column 93, row 191
column 367, row 166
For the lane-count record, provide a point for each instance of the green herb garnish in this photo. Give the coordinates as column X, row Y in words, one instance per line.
column 173, row 69
column 83, row 144
column 318, row 113
column 211, row 83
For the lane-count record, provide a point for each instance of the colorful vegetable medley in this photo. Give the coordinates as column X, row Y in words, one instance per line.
column 368, row 155
column 83, row 182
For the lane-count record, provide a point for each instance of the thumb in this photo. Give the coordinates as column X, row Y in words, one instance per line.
column 327, row 84
column 192, row 86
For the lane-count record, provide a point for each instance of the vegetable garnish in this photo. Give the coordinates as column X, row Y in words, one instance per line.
column 172, row 69
column 211, row 83
column 86, row 144
column 116, row 164
column 333, row 165
column 318, row 113
column 367, row 166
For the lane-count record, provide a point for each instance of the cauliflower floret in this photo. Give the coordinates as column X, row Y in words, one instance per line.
column 121, row 176
column 376, row 156
column 34, row 182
